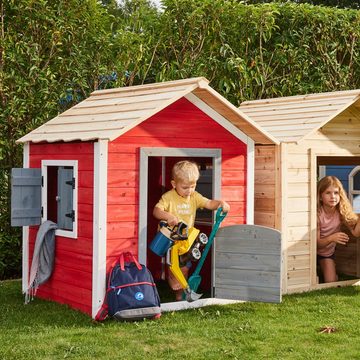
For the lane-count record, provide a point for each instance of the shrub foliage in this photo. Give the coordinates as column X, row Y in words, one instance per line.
column 54, row 53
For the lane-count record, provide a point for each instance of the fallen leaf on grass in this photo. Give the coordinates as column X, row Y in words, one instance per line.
column 327, row 329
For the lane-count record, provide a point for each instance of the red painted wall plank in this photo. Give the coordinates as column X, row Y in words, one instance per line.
column 62, row 148
column 179, row 125
column 130, row 162
column 122, row 178
column 122, row 213
column 120, row 195
column 71, row 295
column 71, row 280
column 128, row 229
column 52, row 296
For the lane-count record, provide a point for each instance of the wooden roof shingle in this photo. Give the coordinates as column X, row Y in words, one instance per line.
column 293, row 118
column 107, row 114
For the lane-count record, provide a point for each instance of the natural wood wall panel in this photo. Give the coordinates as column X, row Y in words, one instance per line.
column 298, row 176
column 264, row 191
column 298, row 233
column 265, row 186
column 298, row 218
column 264, row 205
column 298, row 262
column 298, row 204
column 299, row 278
column 297, row 161
column 298, row 190
column 264, row 177
column 298, row 248
column 264, row 219
column 339, row 140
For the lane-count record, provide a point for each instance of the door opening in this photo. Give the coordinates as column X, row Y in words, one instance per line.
column 156, row 180
column 347, row 257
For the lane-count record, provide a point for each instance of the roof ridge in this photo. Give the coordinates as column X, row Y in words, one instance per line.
column 331, row 94
column 149, row 86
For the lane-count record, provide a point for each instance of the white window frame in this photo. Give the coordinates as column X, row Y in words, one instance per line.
column 353, row 192
column 44, row 167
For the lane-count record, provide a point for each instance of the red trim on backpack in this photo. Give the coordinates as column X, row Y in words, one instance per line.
column 130, row 284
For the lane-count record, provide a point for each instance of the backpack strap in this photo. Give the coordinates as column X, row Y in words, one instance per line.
column 130, row 257
column 103, row 311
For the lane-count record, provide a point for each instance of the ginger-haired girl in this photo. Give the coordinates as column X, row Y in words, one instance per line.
column 333, row 211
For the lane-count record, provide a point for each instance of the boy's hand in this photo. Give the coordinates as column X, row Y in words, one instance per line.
column 225, row 206
column 172, row 220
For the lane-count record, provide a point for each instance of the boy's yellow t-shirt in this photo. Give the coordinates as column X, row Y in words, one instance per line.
column 183, row 209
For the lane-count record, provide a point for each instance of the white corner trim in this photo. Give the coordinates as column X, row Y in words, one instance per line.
column 250, row 182
column 226, row 124
column 99, row 224
column 25, row 230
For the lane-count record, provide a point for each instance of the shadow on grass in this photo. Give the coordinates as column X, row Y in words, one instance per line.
column 41, row 314
column 167, row 295
column 14, row 313
column 339, row 291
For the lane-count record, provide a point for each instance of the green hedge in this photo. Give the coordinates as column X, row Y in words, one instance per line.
column 54, row 53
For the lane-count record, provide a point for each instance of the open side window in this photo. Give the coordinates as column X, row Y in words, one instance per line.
column 59, row 195
column 354, row 188
column 49, row 193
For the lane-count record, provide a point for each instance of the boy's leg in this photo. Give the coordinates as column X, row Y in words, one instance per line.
column 175, row 285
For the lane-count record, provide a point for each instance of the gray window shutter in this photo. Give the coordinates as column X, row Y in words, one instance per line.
column 66, row 184
column 25, row 197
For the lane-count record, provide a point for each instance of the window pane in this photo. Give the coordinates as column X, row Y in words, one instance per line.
column 65, row 198
column 356, row 204
column 52, row 185
column 357, row 181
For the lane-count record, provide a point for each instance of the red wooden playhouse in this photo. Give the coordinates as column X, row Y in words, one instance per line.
column 105, row 162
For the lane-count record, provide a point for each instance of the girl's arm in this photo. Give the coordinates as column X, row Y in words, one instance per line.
column 338, row 237
column 356, row 230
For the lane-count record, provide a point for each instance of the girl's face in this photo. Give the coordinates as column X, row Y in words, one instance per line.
column 184, row 188
column 330, row 197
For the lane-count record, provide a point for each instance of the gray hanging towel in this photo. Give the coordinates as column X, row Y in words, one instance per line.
column 43, row 258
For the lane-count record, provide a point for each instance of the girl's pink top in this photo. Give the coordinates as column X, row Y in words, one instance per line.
column 329, row 224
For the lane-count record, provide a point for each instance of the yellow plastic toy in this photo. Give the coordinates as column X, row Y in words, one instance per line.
column 184, row 246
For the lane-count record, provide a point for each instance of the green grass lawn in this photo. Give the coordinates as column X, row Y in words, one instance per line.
column 290, row 330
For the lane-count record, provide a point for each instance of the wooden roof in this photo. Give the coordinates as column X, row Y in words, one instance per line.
column 107, row 114
column 293, row 118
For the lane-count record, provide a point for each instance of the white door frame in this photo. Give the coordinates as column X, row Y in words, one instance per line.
column 145, row 153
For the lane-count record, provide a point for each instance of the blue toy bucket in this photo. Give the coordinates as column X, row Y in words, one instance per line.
column 161, row 242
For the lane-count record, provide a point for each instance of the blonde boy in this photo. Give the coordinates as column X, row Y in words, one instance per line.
column 181, row 203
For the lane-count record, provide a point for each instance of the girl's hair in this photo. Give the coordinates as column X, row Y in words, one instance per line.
column 347, row 215
column 186, row 171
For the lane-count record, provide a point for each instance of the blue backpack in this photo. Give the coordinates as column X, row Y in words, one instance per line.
column 131, row 292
